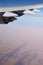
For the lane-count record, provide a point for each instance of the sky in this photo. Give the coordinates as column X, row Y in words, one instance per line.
column 41, row 11
column 19, row 2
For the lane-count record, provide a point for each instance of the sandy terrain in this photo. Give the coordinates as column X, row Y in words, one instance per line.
column 21, row 45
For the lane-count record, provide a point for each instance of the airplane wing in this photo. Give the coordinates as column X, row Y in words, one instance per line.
column 8, row 14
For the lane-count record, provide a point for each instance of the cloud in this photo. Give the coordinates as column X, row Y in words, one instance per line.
column 28, row 12
column 8, row 14
column 36, row 10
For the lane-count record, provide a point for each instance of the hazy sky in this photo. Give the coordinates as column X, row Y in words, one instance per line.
column 29, row 20
column 41, row 11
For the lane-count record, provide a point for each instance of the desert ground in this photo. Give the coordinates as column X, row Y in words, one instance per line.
column 21, row 45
